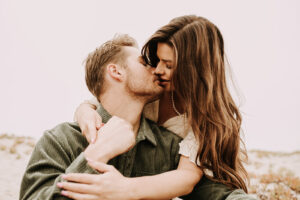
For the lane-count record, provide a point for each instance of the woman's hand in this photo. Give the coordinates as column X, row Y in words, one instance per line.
column 89, row 121
column 114, row 138
column 110, row 185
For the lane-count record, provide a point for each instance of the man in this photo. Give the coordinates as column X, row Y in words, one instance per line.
column 118, row 77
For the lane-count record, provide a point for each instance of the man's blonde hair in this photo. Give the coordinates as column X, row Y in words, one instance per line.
column 109, row 52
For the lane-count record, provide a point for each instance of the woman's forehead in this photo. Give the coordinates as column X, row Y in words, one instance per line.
column 165, row 52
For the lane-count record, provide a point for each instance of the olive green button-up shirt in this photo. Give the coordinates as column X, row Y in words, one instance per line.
column 60, row 151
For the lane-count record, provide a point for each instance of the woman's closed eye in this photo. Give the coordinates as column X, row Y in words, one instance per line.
column 169, row 67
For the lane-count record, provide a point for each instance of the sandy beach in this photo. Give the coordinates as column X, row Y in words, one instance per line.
column 14, row 155
column 273, row 175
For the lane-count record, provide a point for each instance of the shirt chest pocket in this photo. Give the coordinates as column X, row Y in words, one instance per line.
column 150, row 162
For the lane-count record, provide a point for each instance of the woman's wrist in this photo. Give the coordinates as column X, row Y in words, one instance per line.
column 97, row 153
column 81, row 109
column 132, row 188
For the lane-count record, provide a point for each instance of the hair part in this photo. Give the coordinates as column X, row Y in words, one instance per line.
column 199, row 79
column 111, row 51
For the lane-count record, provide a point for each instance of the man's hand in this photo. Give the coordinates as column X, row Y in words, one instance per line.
column 110, row 185
column 89, row 121
column 114, row 138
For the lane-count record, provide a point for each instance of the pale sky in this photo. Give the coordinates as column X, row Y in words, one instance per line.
column 43, row 45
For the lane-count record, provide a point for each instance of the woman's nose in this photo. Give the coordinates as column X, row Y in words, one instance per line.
column 159, row 70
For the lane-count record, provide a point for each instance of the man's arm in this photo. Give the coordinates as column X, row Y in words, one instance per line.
column 53, row 156
column 65, row 150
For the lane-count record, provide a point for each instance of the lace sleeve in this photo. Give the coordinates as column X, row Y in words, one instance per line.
column 189, row 147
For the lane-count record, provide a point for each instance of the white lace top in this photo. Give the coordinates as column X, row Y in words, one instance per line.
column 189, row 145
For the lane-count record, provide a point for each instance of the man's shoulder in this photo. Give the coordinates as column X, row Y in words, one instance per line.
column 67, row 128
column 66, row 132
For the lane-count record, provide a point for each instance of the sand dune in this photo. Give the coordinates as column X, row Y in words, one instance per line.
column 273, row 175
column 14, row 155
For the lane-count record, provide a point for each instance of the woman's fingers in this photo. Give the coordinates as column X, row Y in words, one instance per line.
column 90, row 132
column 98, row 123
column 78, row 196
column 79, row 178
column 77, row 187
column 89, row 121
column 93, row 135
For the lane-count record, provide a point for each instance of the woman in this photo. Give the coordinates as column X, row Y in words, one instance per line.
column 188, row 54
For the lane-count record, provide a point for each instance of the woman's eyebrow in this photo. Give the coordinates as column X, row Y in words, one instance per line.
column 166, row 60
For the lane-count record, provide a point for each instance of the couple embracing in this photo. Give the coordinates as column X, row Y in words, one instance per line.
column 163, row 124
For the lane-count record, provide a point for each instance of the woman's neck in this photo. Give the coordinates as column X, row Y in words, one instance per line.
column 166, row 107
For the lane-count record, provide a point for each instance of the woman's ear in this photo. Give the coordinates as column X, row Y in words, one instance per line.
column 115, row 71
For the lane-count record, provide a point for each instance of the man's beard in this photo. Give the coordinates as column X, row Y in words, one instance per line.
column 139, row 90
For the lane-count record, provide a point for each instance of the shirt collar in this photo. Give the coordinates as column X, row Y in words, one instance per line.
column 103, row 113
column 145, row 131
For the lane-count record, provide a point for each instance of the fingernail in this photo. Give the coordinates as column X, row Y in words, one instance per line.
column 59, row 185
column 93, row 140
column 64, row 192
column 64, row 176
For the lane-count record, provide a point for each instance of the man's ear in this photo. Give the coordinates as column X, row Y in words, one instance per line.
column 115, row 71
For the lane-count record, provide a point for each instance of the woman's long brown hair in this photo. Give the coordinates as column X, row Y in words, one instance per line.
column 199, row 79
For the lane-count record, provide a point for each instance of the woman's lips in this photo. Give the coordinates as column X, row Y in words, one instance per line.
column 163, row 82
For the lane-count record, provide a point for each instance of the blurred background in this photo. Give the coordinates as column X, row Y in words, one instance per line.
column 43, row 45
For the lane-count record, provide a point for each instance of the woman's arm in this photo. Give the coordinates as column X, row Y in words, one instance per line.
column 88, row 119
column 168, row 185
column 113, row 185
